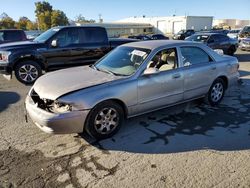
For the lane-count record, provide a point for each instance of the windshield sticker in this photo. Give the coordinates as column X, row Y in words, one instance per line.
column 138, row 53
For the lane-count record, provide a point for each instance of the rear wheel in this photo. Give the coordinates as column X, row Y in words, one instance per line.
column 216, row 92
column 104, row 120
column 28, row 71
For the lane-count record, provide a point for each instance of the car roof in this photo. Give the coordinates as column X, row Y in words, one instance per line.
column 208, row 33
column 154, row 44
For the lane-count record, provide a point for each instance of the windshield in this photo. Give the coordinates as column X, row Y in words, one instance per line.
column 246, row 29
column 198, row 38
column 46, row 35
column 123, row 61
column 181, row 32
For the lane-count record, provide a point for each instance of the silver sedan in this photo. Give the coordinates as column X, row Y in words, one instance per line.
column 133, row 79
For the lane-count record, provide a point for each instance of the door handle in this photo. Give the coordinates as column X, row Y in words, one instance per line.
column 175, row 76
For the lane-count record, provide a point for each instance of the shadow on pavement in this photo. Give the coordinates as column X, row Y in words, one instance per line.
column 243, row 57
column 7, row 98
column 187, row 127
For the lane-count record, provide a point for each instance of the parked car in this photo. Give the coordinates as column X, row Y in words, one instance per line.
column 245, row 44
column 182, row 34
column 234, row 33
column 133, row 79
column 31, row 35
column 56, row 48
column 244, row 33
column 12, row 35
column 216, row 41
column 158, row 37
column 139, row 37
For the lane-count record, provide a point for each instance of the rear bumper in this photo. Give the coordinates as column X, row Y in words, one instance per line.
column 71, row 122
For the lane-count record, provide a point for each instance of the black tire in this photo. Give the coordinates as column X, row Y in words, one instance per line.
column 91, row 125
column 231, row 50
column 217, row 89
column 28, row 71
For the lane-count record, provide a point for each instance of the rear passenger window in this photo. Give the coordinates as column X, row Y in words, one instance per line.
column 13, row 36
column 193, row 56
column 92, row 35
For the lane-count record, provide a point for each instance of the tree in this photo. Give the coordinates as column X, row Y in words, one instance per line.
column 47, row 17
column 58, row 18
column 6, row 22
column 81, row 19
column 22, row 23
column 42, row 7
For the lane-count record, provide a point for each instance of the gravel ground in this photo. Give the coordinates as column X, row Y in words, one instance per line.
column 190, row 145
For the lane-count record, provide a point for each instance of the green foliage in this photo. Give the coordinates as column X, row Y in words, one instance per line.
column 81, row 19
column 47, row 17
column 42, row 7
column 58, row 18
column 6, row 22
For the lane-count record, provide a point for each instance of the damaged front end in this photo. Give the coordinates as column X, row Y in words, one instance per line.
column 53, row 116
column 52, row 106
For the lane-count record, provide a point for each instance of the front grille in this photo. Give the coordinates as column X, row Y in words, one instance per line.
column 245, row 42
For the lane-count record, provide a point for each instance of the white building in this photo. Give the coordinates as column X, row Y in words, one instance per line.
column 125, row 29
column 173, row 24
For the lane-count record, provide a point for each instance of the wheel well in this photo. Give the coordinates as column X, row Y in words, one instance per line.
column 28, row 59
column 224, row 78
column 122, row 104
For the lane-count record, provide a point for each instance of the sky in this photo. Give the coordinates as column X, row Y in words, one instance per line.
column 112, row 10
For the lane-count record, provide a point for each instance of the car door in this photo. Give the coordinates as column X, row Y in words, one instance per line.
column 163, row 88
column 199, row 71
column 225, row 43
column 91, row 46
column 214, row 42
column 59, row 53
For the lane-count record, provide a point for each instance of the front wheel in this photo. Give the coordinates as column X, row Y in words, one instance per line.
column 104, row 120
column 27, row 72
column 231, row 50
column 216, row 92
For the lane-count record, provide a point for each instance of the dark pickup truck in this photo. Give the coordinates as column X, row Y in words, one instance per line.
column 58, row 47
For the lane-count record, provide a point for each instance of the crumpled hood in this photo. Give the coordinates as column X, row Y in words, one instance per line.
column 55, row 84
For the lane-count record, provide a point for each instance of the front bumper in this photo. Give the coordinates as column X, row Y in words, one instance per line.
column 5, row 69
column 71, row 122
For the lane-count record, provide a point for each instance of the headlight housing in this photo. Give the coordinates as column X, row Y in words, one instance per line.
column 59, row 107
column 4, row 56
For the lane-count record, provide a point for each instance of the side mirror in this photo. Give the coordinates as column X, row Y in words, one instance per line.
column 54, row 43
column 187, row 64
column 151, row 70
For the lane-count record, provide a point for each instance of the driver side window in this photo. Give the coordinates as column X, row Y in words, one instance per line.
column 67, row 37
column 164, row 60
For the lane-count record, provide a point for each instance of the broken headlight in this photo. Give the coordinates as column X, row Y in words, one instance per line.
column 58, row 107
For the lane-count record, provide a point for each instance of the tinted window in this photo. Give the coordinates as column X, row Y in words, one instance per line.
column 93, row 35
column 67, row 37
column 198, row 38
column 194, row 55
column 223, row 38
column 1, row 36
column 13, row 35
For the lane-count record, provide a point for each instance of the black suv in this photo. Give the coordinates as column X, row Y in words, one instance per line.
column 12, row 35
column 216, row 41
column 182, row 34
column 56, row 48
